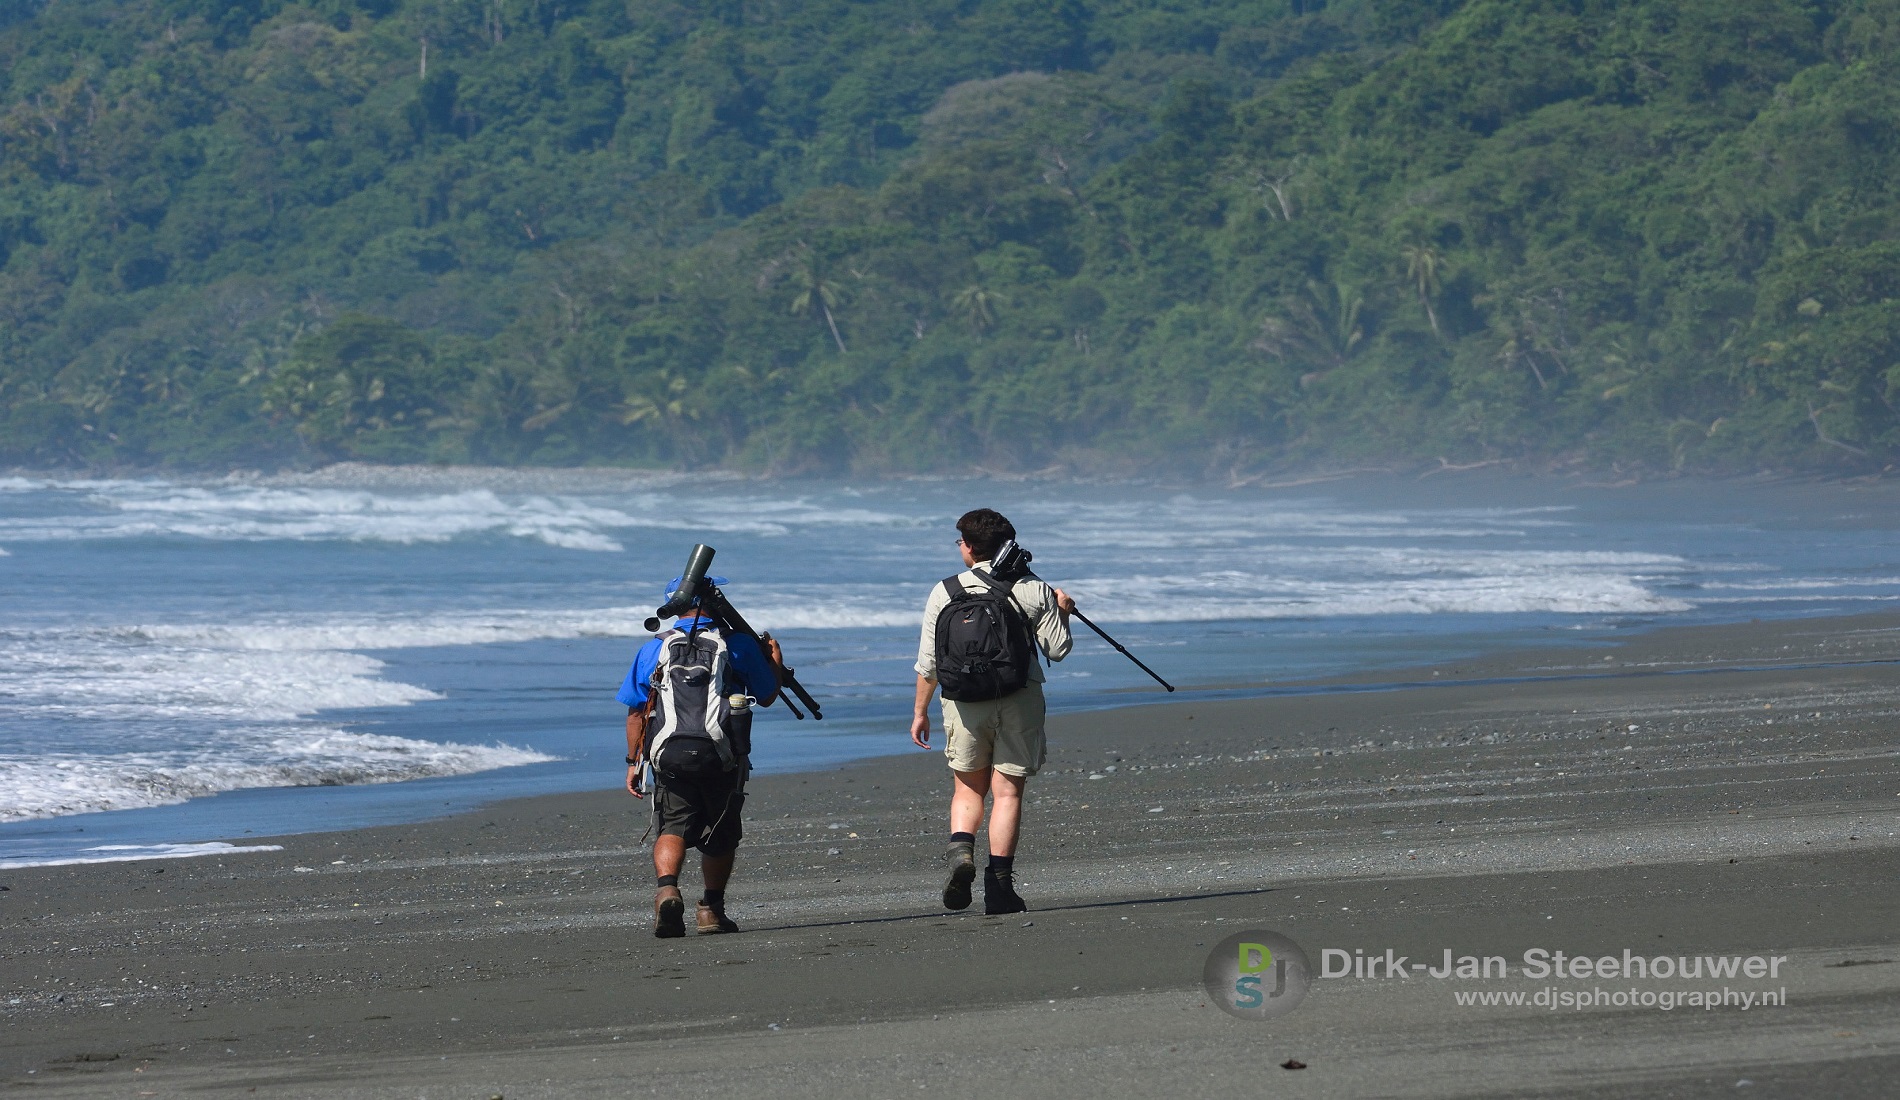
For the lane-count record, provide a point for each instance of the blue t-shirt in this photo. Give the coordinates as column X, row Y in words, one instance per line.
column 749, row 663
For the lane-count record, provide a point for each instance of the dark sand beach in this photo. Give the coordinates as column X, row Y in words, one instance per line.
column 1731, row 790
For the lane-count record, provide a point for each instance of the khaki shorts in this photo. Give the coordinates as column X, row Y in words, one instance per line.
column 1005, row 734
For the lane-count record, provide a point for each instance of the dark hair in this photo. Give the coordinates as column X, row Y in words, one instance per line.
column 985, row 531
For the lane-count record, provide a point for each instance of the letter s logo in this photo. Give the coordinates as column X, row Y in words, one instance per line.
column 1247, row 992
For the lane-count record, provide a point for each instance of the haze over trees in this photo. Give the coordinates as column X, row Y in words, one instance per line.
column 1219, row 237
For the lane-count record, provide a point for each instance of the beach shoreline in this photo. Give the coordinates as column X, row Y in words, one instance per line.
column 1732, row 788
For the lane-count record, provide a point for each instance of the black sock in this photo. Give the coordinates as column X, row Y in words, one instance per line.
column 669, row 880
column 1001, row 864
column 714, row 898
column 963, row 838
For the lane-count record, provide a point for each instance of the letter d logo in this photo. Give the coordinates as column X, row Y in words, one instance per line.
column 1254, row 958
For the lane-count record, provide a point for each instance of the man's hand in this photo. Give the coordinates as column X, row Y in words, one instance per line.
column 920, row 729
column 1064, row 603
column 633, row 781
column 773, row 651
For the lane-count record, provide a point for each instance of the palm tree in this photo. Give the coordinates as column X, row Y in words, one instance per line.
column 816, row 289
column 978, row 303
column 1331, row 319
column 1423, row 262
column 1323, row 324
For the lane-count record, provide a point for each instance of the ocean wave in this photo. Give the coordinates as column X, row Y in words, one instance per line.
column 252, row 512
column 319, row 634
column 255, row 513
column 144, row 716
column 1375, row 582
column 1801, row 584
column 101, row 674
column 597, row 510
column 280, row 668
column 44, row 785
column 127, row 853
column 1188, row 521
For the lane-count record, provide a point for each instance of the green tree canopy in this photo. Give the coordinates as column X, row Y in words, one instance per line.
column 1218, row 236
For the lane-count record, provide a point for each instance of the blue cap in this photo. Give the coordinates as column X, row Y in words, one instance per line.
column 673, row 585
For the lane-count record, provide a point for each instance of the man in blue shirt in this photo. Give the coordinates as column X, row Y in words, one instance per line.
column 694, row 812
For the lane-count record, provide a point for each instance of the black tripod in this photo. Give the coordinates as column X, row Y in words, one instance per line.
column 1123, row 650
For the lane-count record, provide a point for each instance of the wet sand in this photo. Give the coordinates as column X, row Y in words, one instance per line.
column 1709, row 790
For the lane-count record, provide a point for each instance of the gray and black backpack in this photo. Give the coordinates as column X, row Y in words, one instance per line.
column 692, row 725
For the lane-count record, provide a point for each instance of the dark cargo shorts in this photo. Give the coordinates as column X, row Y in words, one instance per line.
column 703, row 813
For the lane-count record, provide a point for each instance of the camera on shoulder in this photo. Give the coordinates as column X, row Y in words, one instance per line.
column 1011, row 562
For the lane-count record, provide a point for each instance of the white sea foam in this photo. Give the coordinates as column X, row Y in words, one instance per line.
column 126, row 853
column 1186, row 521
column 1802, row 584
column 1303, row 582
column 56, row 784
column 121, row 510
column 111, row 674
column 148, row 716
column 249, row 511
column 325, row 633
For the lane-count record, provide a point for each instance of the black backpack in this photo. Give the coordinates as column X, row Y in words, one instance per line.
column 984, row 647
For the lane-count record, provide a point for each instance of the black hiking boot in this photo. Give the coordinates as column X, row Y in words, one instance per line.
column 961, row 857
column 999, row 893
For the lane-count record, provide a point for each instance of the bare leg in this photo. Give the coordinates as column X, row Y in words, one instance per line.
column 1006, row 812
column 669, row 853
column 966, row 800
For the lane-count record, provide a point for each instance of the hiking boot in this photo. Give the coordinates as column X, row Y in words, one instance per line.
column 713, row 920
column 999, row 894
column 961, row 857
column 669, row 913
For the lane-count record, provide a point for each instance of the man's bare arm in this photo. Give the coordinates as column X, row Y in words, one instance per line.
column 920, row 714
column 636, row 743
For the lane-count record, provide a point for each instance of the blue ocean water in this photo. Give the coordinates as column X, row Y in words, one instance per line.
column 190, row 661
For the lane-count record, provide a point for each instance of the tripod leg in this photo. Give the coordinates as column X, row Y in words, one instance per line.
column 1123, row 650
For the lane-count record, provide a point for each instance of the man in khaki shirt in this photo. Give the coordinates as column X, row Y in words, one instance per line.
column 993, row 746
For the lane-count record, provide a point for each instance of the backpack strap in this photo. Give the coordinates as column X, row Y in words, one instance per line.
column 953, row 587
column 656, row 688
column 1007, row 591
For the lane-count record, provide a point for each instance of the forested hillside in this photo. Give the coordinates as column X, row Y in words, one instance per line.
column 1221, row 237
